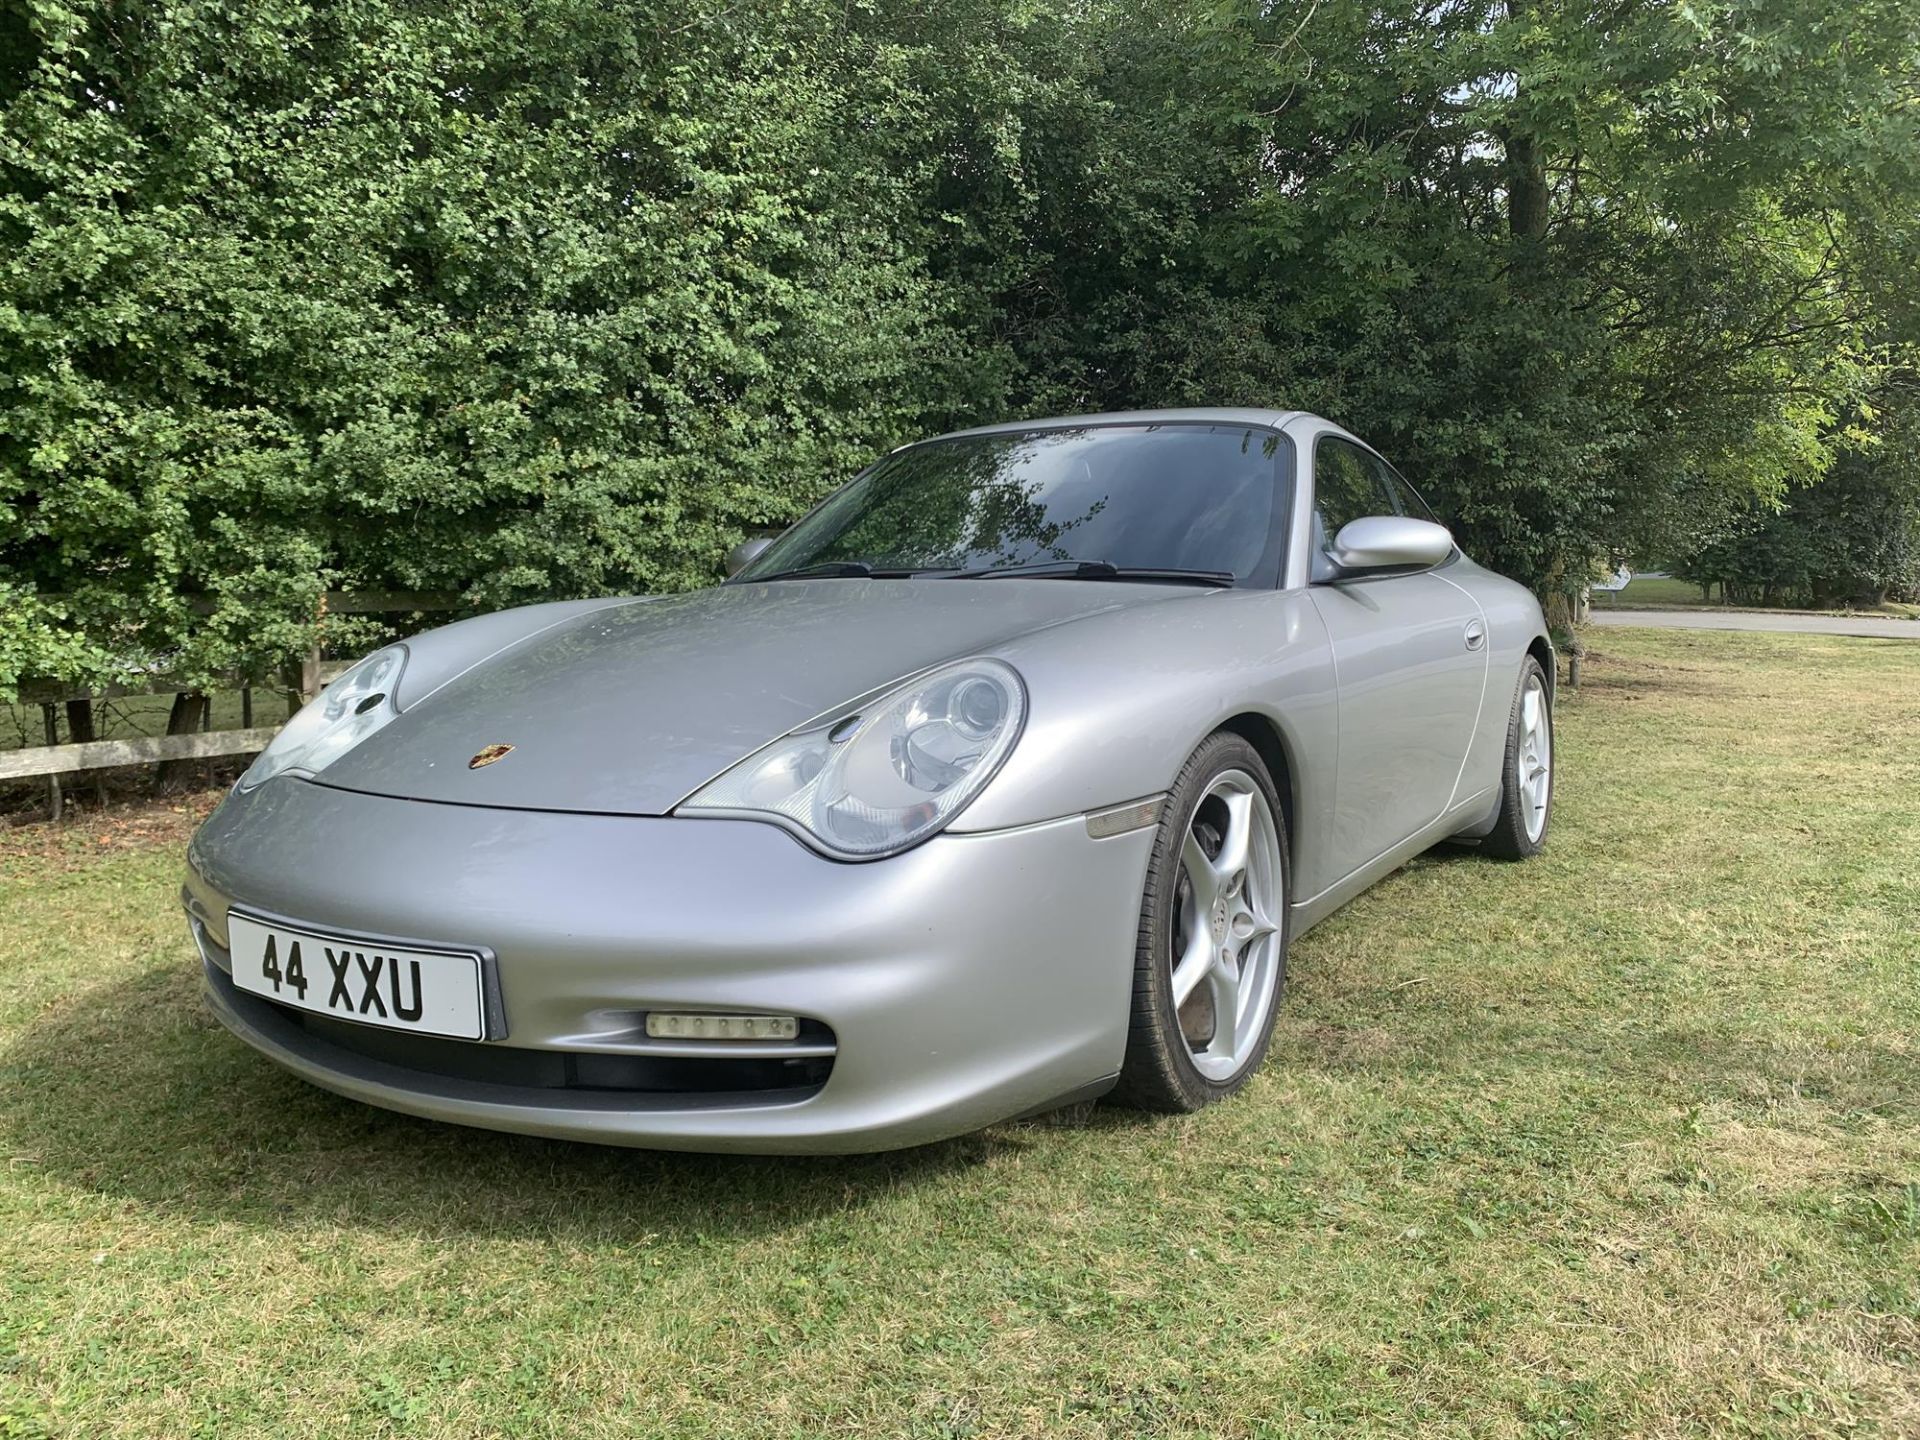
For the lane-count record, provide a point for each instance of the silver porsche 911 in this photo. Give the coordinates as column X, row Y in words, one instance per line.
column 1000, row 781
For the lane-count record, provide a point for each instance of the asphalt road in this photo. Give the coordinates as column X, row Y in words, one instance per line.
column 1884, row 627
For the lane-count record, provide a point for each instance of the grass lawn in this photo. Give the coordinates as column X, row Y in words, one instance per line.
column 1625, row 1140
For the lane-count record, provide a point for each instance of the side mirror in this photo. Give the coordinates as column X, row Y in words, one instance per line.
column 1390, row 542
column 745, row 553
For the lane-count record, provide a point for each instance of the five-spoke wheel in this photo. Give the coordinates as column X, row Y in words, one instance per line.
column 1225, row 940
column 1526, row 784
column 1533, row 772
column 1212, row 952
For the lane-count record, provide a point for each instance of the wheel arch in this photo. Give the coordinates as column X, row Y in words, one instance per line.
column 1265, row 736
column 1541, row 649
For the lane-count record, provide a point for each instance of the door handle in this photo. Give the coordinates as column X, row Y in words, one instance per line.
column 1476, row 634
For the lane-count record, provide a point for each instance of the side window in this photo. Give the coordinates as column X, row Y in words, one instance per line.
column 1347, row 484
column 1406, row 500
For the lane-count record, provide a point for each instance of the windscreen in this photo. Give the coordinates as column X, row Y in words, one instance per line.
column 1199, row 497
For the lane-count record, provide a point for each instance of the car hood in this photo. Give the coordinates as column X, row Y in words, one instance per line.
column 629, row 709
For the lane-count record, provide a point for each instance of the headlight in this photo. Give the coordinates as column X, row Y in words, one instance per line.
column 887, row 776
column 339, row 718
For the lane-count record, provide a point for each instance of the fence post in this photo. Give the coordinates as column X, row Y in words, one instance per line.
column 310, row 675
column 303, row 680
column 56, row 802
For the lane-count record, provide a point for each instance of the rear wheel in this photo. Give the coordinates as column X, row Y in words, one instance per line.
column 1526, row 786
column 1212, row 951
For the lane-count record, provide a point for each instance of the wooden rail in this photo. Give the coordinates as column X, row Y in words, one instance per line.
column 304, row 679
column 142, row 750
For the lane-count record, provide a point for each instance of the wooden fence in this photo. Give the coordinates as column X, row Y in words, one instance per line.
column 304, row 679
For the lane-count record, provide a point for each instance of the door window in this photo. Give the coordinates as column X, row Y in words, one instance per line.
column 1406, row 500
column 1348, row 483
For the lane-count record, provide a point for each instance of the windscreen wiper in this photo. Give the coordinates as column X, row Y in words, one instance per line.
column 834, row 570
column 1097, row 570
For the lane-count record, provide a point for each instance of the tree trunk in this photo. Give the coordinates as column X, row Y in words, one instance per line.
column 81, row 729
column 188, row 715
column 1526, row 189
column 1562, row 612
column 1526, row 176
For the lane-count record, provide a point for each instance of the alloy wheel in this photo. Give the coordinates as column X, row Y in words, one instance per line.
column 1533, row 763
column 1226, row 931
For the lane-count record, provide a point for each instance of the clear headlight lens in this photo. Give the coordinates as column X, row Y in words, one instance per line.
column 888, row 776
column 339, row 718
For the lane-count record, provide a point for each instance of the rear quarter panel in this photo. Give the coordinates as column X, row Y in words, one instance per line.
column 1514, row 622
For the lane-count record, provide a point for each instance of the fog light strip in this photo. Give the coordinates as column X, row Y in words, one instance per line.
column 668, row 1025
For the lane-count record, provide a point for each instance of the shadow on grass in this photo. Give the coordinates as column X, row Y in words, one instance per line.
column 130, row 1091
column 134, row 1091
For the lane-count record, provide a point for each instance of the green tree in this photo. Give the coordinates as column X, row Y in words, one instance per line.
column 1848, row 536
column 563, row 298
column 1595, row 274
column 521, row 302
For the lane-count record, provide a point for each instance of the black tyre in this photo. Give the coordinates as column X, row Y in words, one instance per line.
column 1526, row 781
column 1211, row 959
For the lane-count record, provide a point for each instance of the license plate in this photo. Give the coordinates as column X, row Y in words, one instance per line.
column 437, row 992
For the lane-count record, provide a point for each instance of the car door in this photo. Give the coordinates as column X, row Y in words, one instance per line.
column 1410, row 661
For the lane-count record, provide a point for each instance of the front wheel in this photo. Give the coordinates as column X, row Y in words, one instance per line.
column 1526, row 784
column 1212, row 951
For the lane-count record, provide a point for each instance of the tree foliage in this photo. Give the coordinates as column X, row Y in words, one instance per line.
column 519, row 301
column 1849, row 536
column 560, row 298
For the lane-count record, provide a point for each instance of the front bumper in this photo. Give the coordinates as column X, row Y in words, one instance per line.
column 975, row 978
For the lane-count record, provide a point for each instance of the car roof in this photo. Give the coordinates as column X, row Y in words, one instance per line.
column 1201, row 414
